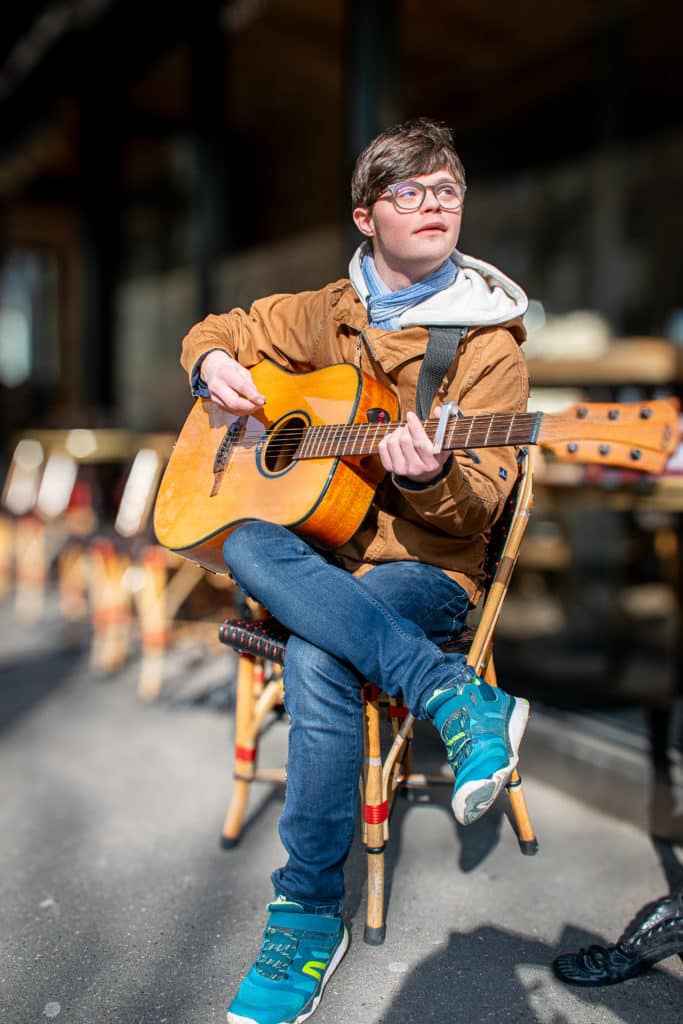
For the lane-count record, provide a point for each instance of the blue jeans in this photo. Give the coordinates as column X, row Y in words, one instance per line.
column 383, row 627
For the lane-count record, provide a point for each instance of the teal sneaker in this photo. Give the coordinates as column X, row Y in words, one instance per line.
column 299, row 954
column 482, row 728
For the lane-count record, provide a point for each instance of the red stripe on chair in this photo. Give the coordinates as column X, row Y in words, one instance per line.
column 155, row 638
column 398, row 711
column 370, row 693
column 245, row 753
column 375, row 814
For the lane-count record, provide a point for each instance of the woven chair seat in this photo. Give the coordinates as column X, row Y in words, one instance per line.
column 263, row 638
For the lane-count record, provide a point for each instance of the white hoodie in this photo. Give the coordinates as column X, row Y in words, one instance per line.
column 480, row 296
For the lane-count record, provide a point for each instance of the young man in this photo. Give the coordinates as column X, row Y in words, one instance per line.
column 377, row 607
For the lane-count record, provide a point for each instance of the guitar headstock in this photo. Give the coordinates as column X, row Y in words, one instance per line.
column 632, row 435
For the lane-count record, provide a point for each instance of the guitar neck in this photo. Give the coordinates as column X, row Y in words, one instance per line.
column 486, row 431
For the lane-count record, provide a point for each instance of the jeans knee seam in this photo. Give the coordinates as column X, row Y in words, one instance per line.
column 370, row 596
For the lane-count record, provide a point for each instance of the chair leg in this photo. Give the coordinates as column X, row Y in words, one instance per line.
column 31, row 569
column 111, row 607
column 375, row 816
column 150, row 600
column 375, row 928
column 403, row 767
column 526, row 837
column 528, row 843
column 249, row 677
column 6, row 555
column 72, row 581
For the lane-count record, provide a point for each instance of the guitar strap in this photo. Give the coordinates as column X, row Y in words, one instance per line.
column 439, row 354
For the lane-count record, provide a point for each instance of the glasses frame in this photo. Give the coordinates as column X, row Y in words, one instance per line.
column 424, row 189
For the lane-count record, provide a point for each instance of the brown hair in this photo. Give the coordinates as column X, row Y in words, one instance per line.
column 420, row 146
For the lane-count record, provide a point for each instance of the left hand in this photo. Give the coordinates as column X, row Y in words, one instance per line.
column 407, row 451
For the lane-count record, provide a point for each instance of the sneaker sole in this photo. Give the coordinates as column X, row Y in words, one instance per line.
column 474, row 798
column 339, row 952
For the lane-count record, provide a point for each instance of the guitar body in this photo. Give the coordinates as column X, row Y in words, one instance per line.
column 226, row 470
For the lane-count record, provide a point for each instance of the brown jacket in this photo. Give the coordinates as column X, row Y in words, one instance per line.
column 446, row 523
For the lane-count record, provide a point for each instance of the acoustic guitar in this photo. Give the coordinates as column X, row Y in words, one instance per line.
column 307, row 459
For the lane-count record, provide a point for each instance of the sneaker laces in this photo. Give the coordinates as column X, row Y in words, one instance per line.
column 279, row 948
column 457, row 738
column 277, row 953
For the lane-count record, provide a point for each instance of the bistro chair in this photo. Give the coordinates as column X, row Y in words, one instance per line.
column 261, row 643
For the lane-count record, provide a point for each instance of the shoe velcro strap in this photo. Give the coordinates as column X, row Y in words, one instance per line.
column 303, row 925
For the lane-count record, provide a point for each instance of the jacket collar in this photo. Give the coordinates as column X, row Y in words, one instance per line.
column 347, row 307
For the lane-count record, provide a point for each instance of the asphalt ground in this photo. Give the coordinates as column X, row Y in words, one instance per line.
column 118, row 905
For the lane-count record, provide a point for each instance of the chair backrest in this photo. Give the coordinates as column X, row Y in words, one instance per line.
column 501, row 558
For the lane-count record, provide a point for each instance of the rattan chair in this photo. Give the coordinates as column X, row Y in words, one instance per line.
column 261, row 643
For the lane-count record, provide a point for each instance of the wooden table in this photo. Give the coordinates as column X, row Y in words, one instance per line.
column 640, row 362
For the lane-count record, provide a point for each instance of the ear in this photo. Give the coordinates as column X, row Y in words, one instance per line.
column 362, row 218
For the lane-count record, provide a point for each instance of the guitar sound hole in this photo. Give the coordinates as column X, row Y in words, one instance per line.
column 281, row 446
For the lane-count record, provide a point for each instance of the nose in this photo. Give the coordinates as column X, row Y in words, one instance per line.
column 430, row 202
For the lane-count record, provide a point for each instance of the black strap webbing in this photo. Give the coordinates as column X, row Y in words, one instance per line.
column 441, row 348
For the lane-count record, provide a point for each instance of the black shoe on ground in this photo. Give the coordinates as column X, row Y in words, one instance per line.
column 655, row 933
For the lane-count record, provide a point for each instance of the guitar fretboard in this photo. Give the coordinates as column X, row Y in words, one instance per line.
column 485, row 431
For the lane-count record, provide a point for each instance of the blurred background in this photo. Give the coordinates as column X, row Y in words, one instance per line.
column 158, row 164
column 156, row 167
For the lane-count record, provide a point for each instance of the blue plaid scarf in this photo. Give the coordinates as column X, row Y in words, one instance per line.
column 385, row 306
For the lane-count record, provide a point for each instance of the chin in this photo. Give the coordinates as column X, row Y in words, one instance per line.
column 432, row 241
column 434, row 254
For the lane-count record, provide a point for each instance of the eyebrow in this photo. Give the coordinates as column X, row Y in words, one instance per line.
column 414, row 181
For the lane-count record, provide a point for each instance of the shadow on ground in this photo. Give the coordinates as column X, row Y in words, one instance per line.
column 26, row 684
column 508, row 978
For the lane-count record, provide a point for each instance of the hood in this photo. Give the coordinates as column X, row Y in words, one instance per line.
column 480, row 296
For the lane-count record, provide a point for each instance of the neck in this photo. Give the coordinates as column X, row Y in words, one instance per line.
column 397, row 275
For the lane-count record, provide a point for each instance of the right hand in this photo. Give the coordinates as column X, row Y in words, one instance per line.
column 230, row 385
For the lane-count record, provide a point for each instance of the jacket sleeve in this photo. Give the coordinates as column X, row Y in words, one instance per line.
column 284, row 328
column 472, row 494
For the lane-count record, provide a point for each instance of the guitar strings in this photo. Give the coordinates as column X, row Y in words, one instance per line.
column 523, row 419
column 430, row 423
column 288, row 440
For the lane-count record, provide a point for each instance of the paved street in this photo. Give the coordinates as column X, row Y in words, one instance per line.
column 119, row 907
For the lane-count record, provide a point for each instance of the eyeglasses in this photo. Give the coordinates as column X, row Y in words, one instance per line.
column 410, row 195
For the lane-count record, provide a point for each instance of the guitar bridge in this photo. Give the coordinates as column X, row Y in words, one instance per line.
column 230, row 438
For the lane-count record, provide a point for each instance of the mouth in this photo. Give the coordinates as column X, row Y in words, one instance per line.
column 428, row 228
